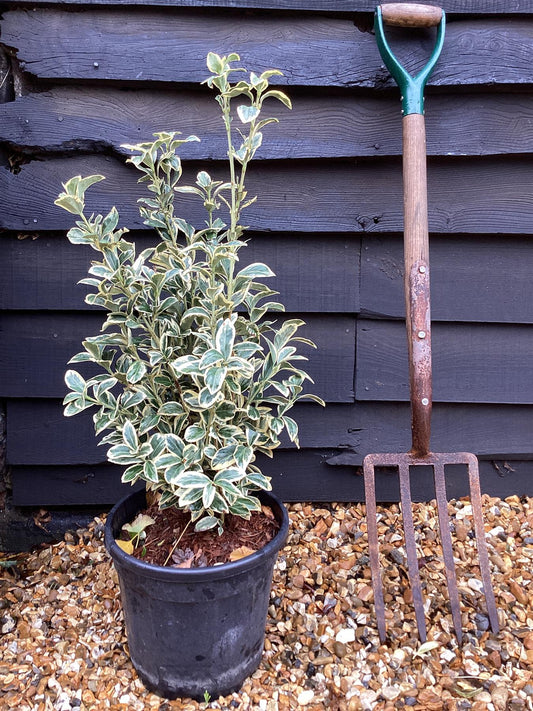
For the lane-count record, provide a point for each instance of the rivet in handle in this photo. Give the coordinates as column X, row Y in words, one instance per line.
column 422, row 269
column 425, row 401
column 421, row 334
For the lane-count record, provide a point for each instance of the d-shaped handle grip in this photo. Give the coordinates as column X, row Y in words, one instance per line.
column 408, row 14
column 412, row 88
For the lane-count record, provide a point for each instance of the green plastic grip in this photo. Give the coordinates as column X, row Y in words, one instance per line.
column 412, row 88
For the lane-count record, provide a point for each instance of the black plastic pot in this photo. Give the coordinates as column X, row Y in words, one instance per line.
column 192, row 631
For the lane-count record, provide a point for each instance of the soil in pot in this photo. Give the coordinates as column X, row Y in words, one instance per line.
column 172, row 541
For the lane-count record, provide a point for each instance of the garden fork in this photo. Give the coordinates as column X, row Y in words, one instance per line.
column 418, row 322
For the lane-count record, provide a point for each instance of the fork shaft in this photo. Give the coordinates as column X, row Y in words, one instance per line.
column 416, row 280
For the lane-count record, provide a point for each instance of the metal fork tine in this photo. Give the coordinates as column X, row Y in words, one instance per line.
column 373, row 545
column 403, row 462
column 447, row 550
column 483, row 555
column 410, row 547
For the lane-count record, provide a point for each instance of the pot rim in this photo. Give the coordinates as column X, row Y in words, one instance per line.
column 191, row 575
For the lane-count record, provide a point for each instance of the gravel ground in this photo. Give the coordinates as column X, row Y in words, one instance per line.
column 63, row 645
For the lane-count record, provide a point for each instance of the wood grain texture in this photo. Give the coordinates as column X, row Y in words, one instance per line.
column 68, row 486
column 465, row 195
column 490, row 431
column 171, row 46
column 69, row 119
column 471, row 362
column 498, row 289
column 39, row 433
column 296, row 476
column 335, row 7
column 35, row 348
column 313, row 273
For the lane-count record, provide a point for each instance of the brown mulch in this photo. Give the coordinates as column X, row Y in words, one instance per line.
column 63, row 645
column 195, row 550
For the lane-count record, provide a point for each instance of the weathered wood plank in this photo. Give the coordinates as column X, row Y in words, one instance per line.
column 334, row 7
column 96, row 119
column 39, row 433
column 68, row 486
column 498, row 289
column 35, row 348
column 296, row 476
column 465, row 195
column 314, row 273
column 471, row 362
column 490, row 431
column 92, row 45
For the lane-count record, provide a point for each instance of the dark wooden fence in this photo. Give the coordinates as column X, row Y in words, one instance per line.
column 88, row 77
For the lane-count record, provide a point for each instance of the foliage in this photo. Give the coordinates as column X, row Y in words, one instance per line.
column 195, row 379
column 136, row 530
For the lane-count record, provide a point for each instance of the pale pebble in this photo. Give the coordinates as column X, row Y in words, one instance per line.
column 345, row 635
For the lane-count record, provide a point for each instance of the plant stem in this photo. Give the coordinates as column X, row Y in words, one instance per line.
column 176, row 544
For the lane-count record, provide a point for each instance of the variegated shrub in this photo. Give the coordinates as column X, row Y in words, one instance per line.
column 195, row 379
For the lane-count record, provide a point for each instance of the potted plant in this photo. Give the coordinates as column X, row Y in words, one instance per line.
column 194, row 380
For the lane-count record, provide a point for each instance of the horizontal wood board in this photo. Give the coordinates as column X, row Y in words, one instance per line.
column 68, row 486
column 292, row 473
column 471, row 362
column 35, row 349
column 313, row 273
column 465, row 195
column 38, row 432
column 172, row 46
column 69, row 119
column 478, row 280
column 346, row 7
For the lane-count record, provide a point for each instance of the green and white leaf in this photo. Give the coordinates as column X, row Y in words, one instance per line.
column 194, row 433
column 129, row 436
column 225, row 338
column 247, row 113
column 206, row 523
column 214, row 378
column 136, row 372
column 186, row 365
column 256, row 271
column 74, row 381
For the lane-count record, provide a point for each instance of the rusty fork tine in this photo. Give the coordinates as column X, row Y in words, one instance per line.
column 410, row 547
column 373, row 545
column 447, row 550
column 479, row 528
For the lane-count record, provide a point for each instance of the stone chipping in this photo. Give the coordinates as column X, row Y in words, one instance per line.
column 63, row 645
